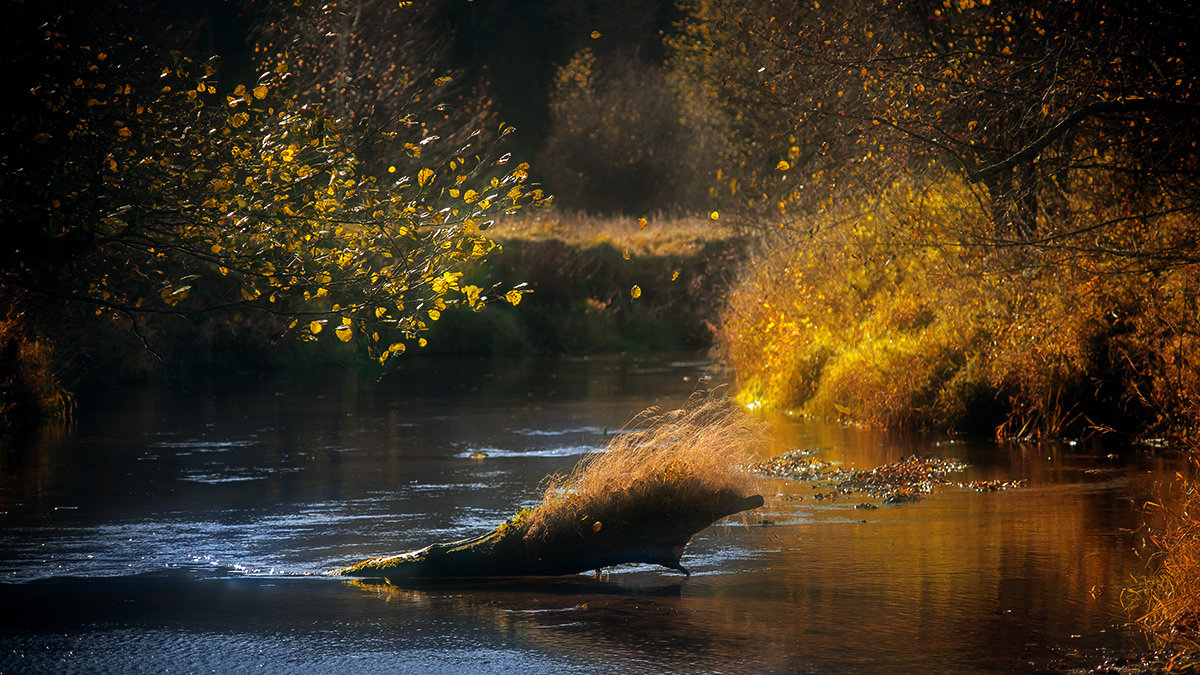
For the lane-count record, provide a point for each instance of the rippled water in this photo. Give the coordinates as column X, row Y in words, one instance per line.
column 186, row 528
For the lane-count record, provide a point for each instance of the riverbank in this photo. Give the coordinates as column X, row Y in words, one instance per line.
column 592, row 285
column 596, row 286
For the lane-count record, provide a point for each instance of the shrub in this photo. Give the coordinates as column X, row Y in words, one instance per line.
column 885, row 311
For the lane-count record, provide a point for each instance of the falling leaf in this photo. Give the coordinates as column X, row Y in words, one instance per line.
column 635, row 292
column 595, row 35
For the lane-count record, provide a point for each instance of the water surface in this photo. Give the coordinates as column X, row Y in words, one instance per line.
column 186, row 528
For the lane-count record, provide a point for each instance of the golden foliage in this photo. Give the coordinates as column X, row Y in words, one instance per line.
column 886, row 311
column 1168, row 597
column 173, row 198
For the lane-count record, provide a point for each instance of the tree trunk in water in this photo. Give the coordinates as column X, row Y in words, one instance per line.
column 631, row 536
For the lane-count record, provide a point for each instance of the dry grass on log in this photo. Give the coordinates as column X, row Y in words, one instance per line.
column 682, row 463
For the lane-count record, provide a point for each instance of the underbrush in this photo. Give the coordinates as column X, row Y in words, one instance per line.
column 887, row 312
column 30, row 388
column 1166, row 601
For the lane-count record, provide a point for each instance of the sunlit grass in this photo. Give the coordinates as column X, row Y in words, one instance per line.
column 654, row 234
column 886, row 312
column 669, row 466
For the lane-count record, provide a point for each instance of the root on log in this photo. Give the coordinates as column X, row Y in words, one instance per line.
column 631, row 535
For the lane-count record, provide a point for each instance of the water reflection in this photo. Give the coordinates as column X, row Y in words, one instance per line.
column 173, row 520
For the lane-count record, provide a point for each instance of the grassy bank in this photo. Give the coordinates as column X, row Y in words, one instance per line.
column 883, row 313
column 598, row 285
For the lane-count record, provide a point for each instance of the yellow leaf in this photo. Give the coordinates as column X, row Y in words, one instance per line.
column 379, row 312
column 315, row 327
column 434, row 315
column 472, row 292
column 513, row 297
column 442, row 80
column 782, row 166
column 422, row 342
column 396, row 348
column 424, row 176
column 260, row 92
column 714, row 215
column 635, row 292
column 642, row 223
column 674, row 275
column 344, row 333
column 595, row 35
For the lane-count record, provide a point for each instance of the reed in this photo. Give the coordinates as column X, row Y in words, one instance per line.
column 1168, row 598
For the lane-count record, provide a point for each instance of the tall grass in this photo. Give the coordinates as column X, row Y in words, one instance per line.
column 670, row 466
column 1169, row 596
column 890, row 310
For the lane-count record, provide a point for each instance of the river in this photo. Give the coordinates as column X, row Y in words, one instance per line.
column 185, row 528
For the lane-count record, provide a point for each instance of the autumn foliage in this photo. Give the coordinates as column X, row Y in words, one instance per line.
column 137, row 185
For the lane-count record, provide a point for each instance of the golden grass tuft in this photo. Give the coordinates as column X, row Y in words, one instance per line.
column 665, row 465
column 1169, row 596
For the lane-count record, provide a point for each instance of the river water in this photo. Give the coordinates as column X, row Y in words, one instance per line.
column 185, row 528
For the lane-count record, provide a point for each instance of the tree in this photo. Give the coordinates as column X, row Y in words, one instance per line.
column 1076, row 120
column 136, row 187
column 385, row 68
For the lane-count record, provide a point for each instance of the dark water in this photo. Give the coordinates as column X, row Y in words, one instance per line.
column 185, row 529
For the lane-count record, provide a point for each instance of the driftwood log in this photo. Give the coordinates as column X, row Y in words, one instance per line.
column 633, row 535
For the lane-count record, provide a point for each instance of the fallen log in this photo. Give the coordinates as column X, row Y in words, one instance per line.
column 639, row 501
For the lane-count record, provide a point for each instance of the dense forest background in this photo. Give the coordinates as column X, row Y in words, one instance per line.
column 965, row 214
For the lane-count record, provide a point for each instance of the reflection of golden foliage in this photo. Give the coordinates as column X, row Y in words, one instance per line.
column 1170, row 595
column 680, row 464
